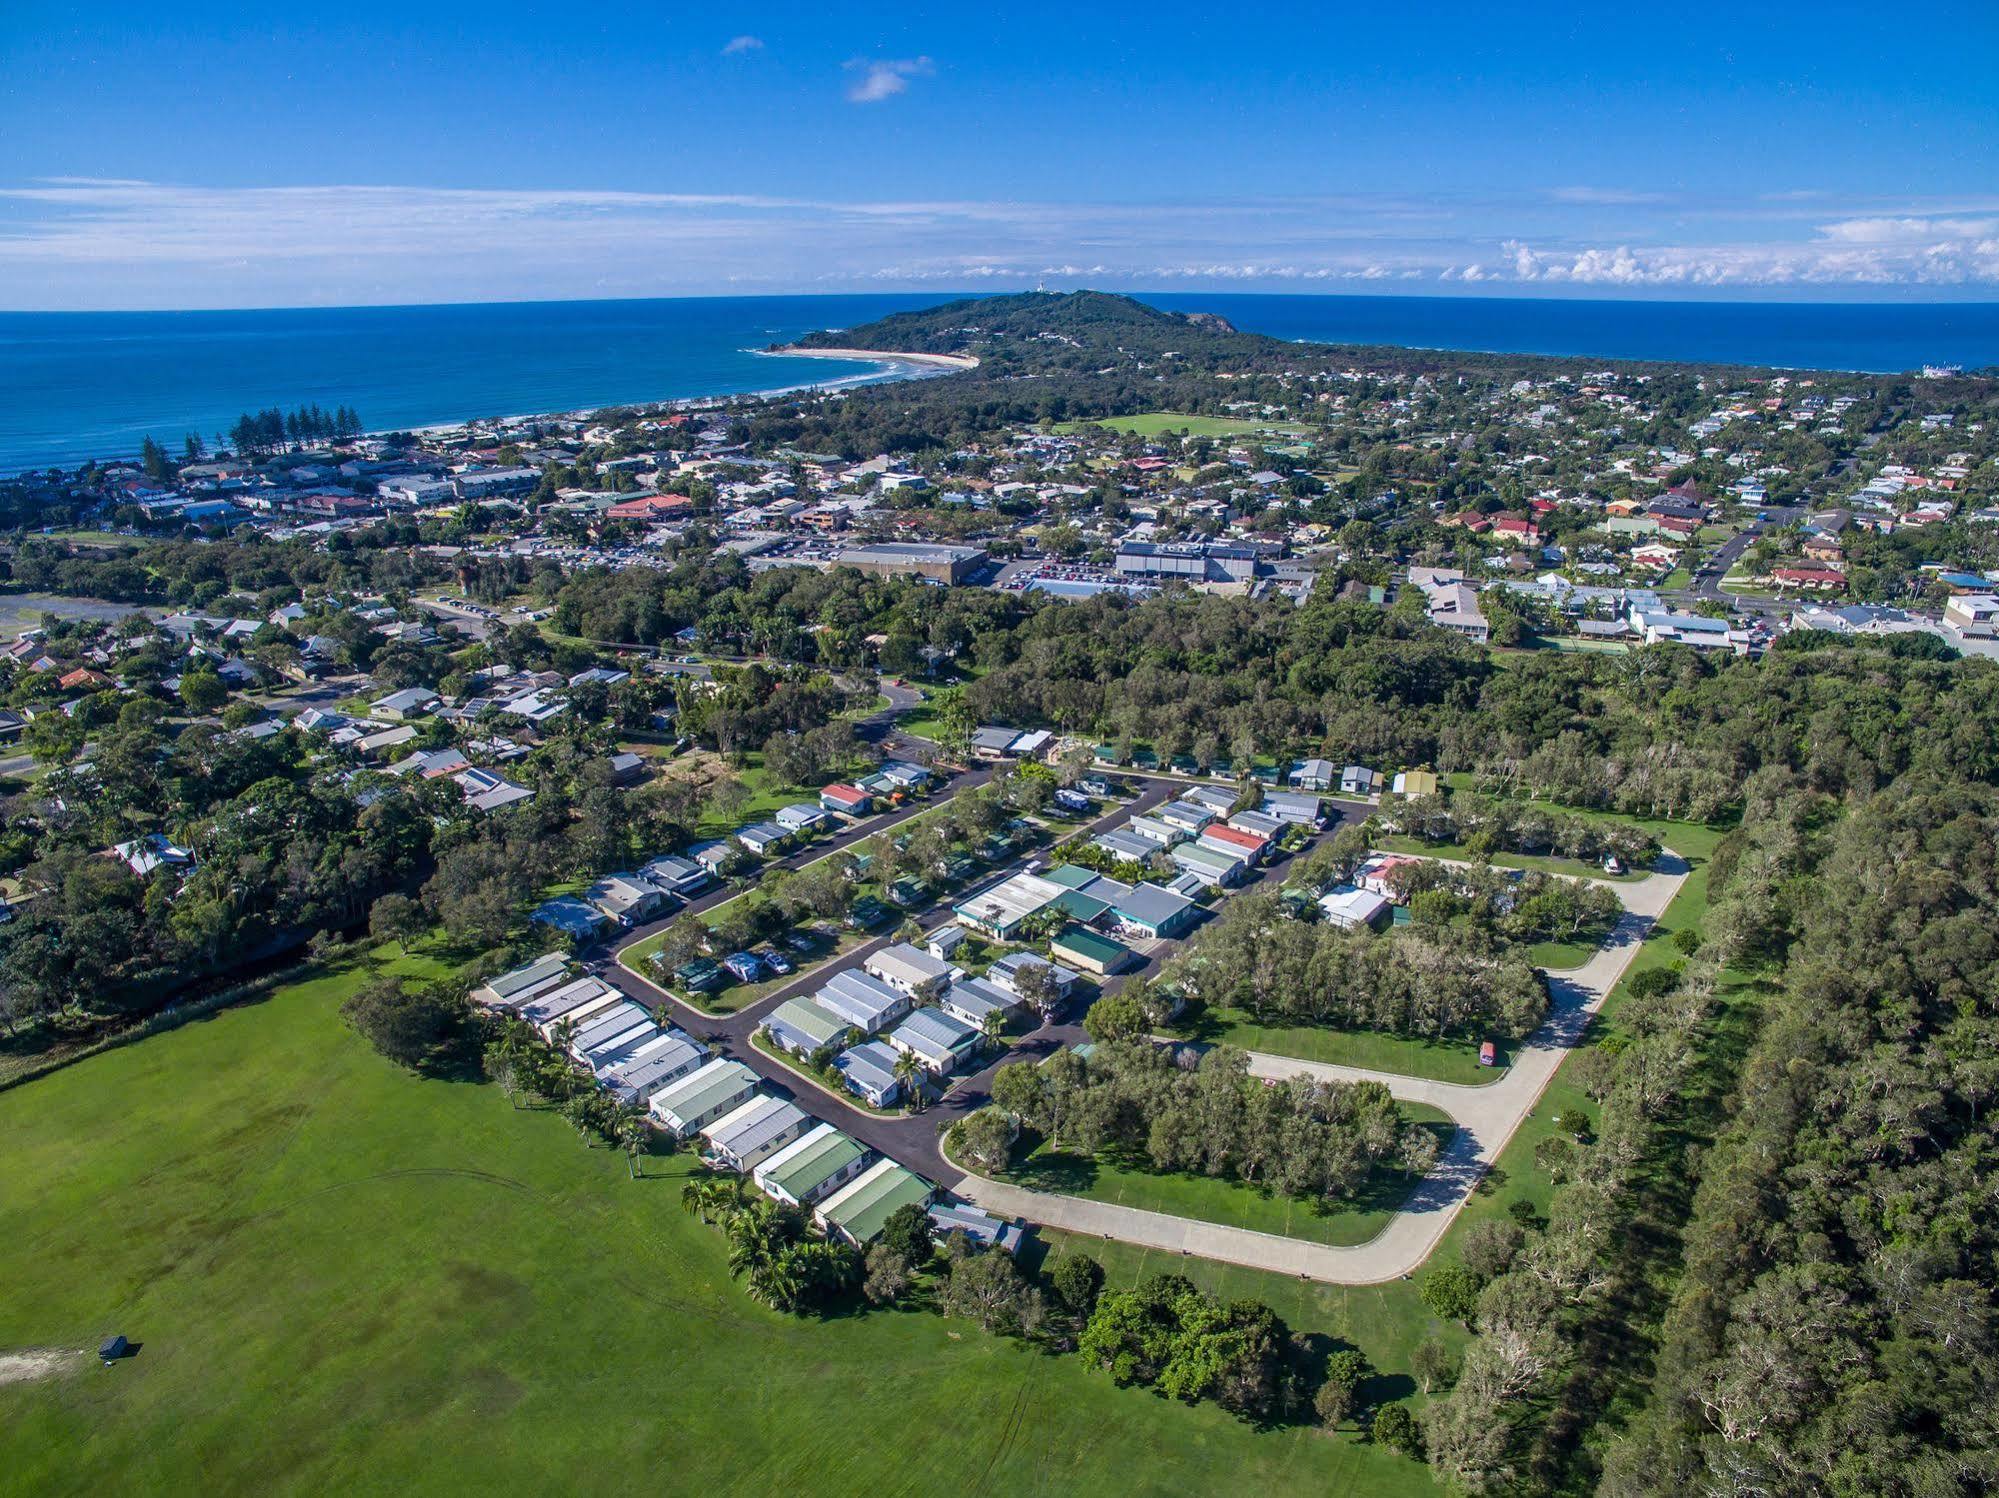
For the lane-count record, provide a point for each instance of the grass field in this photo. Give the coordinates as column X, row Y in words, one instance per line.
column 1575, row 868
column 1158, row 423
column 1451, row 1060
column 733, row 995
column 343, row 1278
column 1106, row 1178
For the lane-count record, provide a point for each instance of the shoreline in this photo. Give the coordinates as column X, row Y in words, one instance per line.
column 880, row 356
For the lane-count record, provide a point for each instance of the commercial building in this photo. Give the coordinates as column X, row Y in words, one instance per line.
column 939, row 563
column 1089, row 951
column 1002, row 910
column 1192, row 562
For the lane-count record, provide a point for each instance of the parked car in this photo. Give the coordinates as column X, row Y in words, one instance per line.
column 773, row 959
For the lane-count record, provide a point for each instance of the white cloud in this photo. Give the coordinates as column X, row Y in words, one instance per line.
column 884, row 78
column 79, row 243
column 1608, row 197
column 743, row 44
column 1906, row 231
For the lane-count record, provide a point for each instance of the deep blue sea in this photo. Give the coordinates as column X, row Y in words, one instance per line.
column 92, row 384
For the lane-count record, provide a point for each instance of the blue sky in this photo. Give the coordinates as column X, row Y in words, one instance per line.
column 205, row 155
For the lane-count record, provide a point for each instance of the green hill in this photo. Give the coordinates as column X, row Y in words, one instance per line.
column 1055, row 328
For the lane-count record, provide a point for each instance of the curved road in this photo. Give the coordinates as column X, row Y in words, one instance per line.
column 1487, row 1116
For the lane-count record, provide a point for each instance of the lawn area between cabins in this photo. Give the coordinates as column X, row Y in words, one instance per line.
column 1574, row 868
column 1450, row 1059
column 735, row 996
column 1109, row 1176
column 342, row 1277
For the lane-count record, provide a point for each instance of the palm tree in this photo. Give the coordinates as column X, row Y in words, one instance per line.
column 909, row 1072
column 993, row 1027
column 634, row 1134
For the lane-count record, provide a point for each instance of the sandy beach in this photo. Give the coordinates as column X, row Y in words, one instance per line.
column 940, row 361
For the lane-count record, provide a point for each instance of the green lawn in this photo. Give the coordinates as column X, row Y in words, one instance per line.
column 1575, row 868
column 1133, row 1183
column 1450, row 1060
column 1691, row 840
column 1383, row 1321
column 733, row 996
column 1557, row 955
column 344, row 1278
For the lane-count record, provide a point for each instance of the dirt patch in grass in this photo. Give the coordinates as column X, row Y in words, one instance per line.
column 38, row 1363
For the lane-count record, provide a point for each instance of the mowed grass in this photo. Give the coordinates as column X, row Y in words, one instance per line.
column 348, row 1279
column 1385, row 1322
column 1108, row 1178
column 1452, row 1059
column 1573, row 868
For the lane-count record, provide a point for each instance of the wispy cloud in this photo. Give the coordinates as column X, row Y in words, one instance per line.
column 877, row 79
column 1609, row 197
column 745, row 43
column 113, row 243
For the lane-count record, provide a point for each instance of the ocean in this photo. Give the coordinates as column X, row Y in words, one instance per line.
column 93, row 384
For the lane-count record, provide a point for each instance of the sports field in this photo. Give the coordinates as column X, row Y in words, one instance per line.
column 346, row 1279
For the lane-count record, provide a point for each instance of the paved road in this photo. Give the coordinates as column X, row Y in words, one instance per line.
column 1487, row 1117
column 912, row 1140
column 1707, row 581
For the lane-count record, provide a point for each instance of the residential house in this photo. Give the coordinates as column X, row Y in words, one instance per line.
column 847, row 800
column 410, row 702
column 1006, row 973
column 939, row 1043
column 1154, row 912
column 761, row 838
column 858, row 1211
column 804, row 1026
column 800, row 818
column 702, row 1096
column 908, row 968
column 814, row 1165
column 869, row 1071
column 743, row 1139
column 863, row 1001
column 1360, row 781
column 1345, row 906
column 972, row 1000
column 1313, row 775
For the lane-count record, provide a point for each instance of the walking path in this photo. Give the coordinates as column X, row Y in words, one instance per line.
column 1487, row 1117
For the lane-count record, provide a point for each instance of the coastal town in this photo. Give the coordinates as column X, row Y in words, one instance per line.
column 979, row 830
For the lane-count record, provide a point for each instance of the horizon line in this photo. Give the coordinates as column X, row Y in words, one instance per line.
column 1512, row 293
